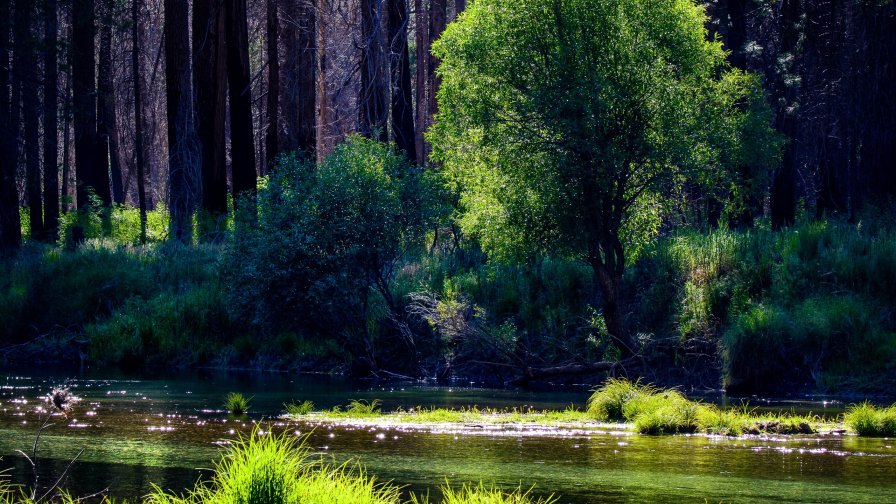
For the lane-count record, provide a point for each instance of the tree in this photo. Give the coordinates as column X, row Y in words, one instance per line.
column 88, row 172
column 373, row 115
column 107, row 119
column 210, row 75
column 242, row 139
column 565, row 125
column 402, row 98
column 298, row 85
column 10, row 227
column 421, row 39
column 139, row 153
column 271, row 137
column 51, row 121
column 25, row 72
column 183, row 176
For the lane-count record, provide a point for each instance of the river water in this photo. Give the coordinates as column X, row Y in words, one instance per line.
column 133, row 433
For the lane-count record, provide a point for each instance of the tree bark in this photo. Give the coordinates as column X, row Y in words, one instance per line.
column 459, row 6
column 209, row 72
column 107, row 120
column 421, row 35
column 373, row 116
column 183, row 176
column 51, row 122
column 242, row 141
column 438, row 15
column 272, row 134
column 10, row 227
column 402, row 98
column 88, row 169
column 299, row 90
column 25, row 69
column 139, row 154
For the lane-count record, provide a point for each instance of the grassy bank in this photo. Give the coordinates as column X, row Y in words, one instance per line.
column 619, row 404
column 810, row 308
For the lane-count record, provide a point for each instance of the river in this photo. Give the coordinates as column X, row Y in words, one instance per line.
column 168, row 430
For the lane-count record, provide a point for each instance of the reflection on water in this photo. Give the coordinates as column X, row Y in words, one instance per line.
column 165, row 430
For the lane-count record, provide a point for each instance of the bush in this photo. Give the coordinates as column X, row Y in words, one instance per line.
column 323, row 238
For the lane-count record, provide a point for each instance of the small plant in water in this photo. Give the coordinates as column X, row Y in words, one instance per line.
column 237, row 403
column 299, row 408
column 61, row 400
column 363, row 408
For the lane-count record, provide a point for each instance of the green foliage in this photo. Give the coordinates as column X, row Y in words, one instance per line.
column 566, row 126
column 609, row 401
column 361, row 408
column 236, row 403
column 323, row 237
column 481, row 494
column 868, row 420
column 120, row 223
column 299, row 408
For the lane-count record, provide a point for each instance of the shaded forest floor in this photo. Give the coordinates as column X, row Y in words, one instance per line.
column 808, row 309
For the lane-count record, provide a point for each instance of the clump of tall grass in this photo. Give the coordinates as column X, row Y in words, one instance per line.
column 481, row 494
column 608, row 402
column 869, row 420
column 299, row 408
column 236, row 403
column 361, row 408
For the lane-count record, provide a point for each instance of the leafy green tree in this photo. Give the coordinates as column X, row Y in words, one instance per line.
column 566, row 125
column 326, row 238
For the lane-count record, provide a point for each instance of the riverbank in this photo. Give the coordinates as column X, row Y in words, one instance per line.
column 803, row 310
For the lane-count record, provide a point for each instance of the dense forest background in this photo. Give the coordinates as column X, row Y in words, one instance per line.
column 284, row 143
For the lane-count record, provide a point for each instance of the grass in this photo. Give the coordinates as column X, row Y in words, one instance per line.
column 299, row 408
column 265, row 468
column 236, row 403
column 667, row 411
column 869, row 420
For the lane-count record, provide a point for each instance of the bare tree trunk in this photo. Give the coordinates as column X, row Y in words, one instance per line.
column 209, row 71
column 51, row 122
column 402, row 97
column 65, row 190
column 107, row 122
column 373, row 116
column 139, row 160
column 438, row 15
column 10, row 227
column 88, row 169
column 272, row 134
column 25, row 69
column 242, row 140
column 183, row 163
column 459, row 6
column 421, row 34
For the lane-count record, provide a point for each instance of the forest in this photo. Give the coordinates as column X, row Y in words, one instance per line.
column 525, row 192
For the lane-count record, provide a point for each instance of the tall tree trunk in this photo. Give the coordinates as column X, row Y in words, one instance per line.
column 607, row 261
column 65, row 190
column 373, row 116
column 139, row 160
column 242, row 141
column 88, row 169
column 183, row 167
column 51, row 122
column 421, row 35
column 783, row 190
column 10, row 226
column 272, row 134
column 402, row 97
column 209, row 70
column 107, row 121
column 459, row 6
column 25, row 69
column 306, row 83
column 438, row 15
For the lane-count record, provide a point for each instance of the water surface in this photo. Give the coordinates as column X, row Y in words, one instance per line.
column 169, row 430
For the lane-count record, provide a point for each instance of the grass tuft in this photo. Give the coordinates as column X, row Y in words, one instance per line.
column 868, row 420
column 299, row 408
column 608, row 402
column 236, row 403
